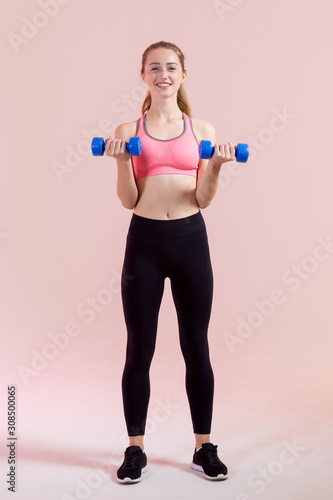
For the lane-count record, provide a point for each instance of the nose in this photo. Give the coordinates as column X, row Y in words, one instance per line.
column 164, row 72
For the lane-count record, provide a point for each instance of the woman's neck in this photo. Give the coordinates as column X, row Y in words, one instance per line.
column 164, row 112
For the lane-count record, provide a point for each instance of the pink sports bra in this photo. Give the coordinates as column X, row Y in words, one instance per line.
column 179, row 155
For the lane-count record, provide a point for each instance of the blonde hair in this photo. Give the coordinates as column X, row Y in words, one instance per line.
column 182, row 100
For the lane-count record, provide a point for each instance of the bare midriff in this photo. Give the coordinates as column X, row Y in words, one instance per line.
column 166, row 196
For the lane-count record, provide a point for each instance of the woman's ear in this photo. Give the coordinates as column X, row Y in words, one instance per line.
column 143, row 78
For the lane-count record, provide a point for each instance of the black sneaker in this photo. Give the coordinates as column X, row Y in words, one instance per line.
column 134, row 463
column 206, row 460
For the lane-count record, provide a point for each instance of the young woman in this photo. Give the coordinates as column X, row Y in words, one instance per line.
column 166, row 186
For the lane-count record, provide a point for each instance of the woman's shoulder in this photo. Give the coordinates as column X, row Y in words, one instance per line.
column 126, row 130
column 203, row 128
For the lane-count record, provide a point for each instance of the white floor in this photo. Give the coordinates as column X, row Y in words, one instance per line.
column 272, row 422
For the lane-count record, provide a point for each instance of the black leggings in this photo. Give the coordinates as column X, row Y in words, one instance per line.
column 157, row 249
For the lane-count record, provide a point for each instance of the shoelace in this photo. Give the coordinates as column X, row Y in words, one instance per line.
column 212, row 454
column 129, row 460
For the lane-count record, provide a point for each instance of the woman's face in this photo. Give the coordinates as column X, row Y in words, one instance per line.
column 163, row 65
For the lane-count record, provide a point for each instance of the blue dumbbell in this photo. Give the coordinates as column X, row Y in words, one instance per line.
column 206, row 150
column 134, row 146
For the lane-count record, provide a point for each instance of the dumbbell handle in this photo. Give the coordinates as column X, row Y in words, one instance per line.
column 206, row 150
column 134, row 146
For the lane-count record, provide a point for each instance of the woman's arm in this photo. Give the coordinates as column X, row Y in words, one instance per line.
column 209, row 170
column 127, row 190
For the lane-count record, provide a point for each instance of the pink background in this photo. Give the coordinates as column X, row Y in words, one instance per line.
column 74, row 74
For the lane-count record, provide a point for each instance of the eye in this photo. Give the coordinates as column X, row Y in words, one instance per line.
column 171, row 67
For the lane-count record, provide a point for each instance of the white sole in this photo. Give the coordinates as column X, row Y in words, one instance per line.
column 129, row 480
column 219, row 477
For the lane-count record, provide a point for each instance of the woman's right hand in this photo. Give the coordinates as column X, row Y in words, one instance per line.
column 116, row 148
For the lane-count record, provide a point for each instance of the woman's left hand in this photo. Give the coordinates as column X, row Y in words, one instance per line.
column 223, row 153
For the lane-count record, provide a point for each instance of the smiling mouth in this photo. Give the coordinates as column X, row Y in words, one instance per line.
column 163, row 85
